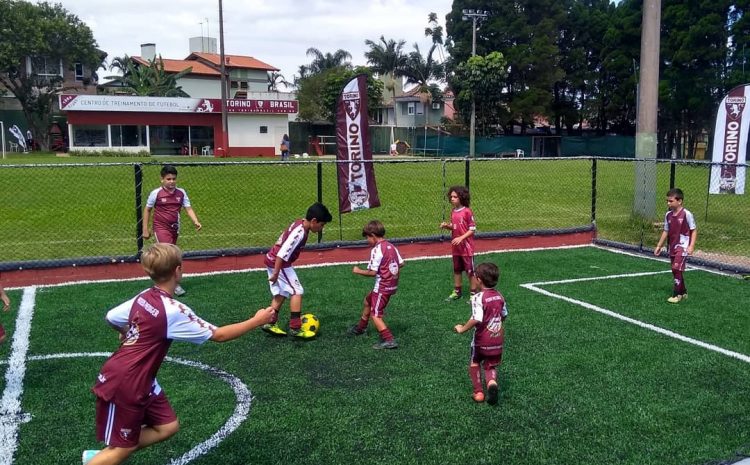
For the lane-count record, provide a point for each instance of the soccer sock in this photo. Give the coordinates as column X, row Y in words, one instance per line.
column 458, row 290
column 294, row 320
column 275, row 317
column 490, row 374
column 679, row 282
column 476, row 377
column 362, row 324
column 385, row 335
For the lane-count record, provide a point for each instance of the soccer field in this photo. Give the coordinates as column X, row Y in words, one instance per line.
column 598, row 369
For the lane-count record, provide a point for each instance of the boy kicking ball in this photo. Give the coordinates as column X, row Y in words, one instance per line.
column 488, row 312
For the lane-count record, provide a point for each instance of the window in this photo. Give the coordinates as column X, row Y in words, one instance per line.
column 411, row 108
column 420, row 108
column 435, row 105
column 79, row 71
column 128, row 136
column 44, row 67
column 264, row 129
column 90, row 136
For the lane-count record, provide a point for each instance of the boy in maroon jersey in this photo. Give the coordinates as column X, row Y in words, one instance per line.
column 488, row 312
column 282, row 278
column 6, row 306
column 132, row 410
column 167, row 201
column 680, row 229
column 462, row 228
column 385, row 264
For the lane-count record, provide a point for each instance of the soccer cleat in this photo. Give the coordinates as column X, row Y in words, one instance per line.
column 492, row 392
column 273, row 329
column 88, row 455
column 392, row 344
column 179, row 291
column 355, row 331
column 478, row 396
column 454, row 296
column 301, row 333
column 675, row 299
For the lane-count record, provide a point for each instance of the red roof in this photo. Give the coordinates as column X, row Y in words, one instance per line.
column 175, row 66
column 233, row 61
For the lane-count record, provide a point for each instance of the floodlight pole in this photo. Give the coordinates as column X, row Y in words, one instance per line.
column 224, row 125
column 2, row 136
column 474, row 15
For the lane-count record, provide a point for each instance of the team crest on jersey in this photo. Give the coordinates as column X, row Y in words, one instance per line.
column 131, row 337
column 393, row 268
column 494, row 326
column 125, row 432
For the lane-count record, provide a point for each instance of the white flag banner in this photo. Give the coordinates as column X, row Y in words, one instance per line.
column 730, row 143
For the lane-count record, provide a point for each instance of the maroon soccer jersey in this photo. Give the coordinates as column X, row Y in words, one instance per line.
column 489, row 309
column 678, row 226
column 289, row 245
column 155, row 320
column 166, row 206
column 386, row 261
column 463, row 221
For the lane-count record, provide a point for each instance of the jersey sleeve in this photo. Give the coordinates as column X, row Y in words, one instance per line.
column 376, row 257
column 291, row 243
column 184, row 325
column 477, row 312
column 470, row 220
column 120, row 315
column 690, row 220
column 666, row 222
column 185, row 199
column 151, row 201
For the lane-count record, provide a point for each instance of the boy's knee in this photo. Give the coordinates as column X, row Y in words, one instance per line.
column 168, row 430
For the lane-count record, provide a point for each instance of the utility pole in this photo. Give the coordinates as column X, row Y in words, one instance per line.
column 644, row 204
column 224, row 125
column 474, row 15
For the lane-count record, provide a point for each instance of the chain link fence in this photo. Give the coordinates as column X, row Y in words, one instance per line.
column 65, row 214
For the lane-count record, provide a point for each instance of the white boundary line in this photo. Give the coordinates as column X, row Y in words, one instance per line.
column 241, row 409
column 534, row 287
column 11, row 415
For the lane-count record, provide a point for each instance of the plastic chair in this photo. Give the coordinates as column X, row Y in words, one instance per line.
column 206, row 150
column 519, row 153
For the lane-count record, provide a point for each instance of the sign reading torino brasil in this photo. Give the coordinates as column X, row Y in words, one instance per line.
column 70, row 102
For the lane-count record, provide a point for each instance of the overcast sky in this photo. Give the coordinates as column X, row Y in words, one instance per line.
column 275, row 32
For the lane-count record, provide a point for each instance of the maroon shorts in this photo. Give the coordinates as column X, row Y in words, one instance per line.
column 377, row 303
column 488, row 358
column 166, row 235
column 120, row 425
column 463, row 263
column 678, row 260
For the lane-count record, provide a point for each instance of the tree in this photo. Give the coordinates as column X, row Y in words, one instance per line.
column 325, row 61
column 41, row 32
column 387, row 58
column 318, row 94
column 480, row 79
column 424, row 71
column 150, row 79
column 274, row 79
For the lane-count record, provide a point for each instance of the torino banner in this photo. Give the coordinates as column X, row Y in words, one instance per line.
column 730, row 143
column 356, row 175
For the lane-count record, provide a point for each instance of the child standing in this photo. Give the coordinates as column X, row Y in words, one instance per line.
column 680, row 229
column 488, row 312
column 282, row 278
column 462, row 227
column 6, row 306
column 166, row 202
column 385, row 264
column 132, row 410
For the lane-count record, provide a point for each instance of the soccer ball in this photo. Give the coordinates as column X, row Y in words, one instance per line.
column 310, row 322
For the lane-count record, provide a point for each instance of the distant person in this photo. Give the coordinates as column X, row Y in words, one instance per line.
column 385, row 265
column 285, row 147
column 6, row 306
column 30, row 140
column 462, row 227
column 282, row 278
column 132, row 409
column 680, row 230
column 166, row 202
column 488, row 312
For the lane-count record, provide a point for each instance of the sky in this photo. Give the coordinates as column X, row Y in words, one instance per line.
column 276, row 32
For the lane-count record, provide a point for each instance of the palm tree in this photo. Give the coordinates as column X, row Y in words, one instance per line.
column 323, row 62
column 150, row 79
column 387, row 58
column 424, row 71
column 274, row 79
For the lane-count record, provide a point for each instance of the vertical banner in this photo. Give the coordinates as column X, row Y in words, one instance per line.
column 356, row 175
column 730, row 143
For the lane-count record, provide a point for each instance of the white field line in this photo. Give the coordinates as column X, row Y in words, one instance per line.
column 534, row 287
column 11, row 415
column 666, row 260
column 241, row 409
column 365, row 259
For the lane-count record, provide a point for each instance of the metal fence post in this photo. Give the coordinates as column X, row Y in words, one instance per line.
column 320, row 194
column 672, row 170
column 593, row 190
column 467, row 172
column 138, row 168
